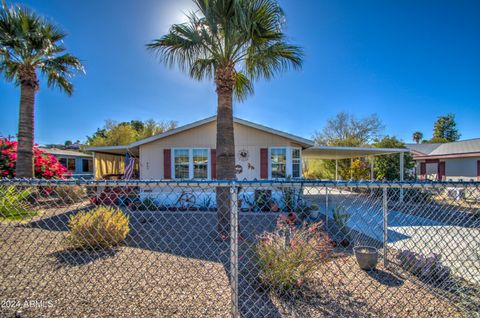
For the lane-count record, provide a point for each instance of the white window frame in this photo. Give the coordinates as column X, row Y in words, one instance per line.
column 289, row 162
column 190, row 162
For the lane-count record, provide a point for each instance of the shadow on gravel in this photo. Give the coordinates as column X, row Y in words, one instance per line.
column 81, row 257
column 185, row 234
column 385, row 278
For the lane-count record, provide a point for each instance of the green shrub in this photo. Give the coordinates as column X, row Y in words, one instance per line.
column 100, row 227
column 14, row 203
column 288, row 256
column 69, row 194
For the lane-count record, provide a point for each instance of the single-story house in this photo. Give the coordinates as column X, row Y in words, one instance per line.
column 79, row 164
column 459, row 160
column 188, row 152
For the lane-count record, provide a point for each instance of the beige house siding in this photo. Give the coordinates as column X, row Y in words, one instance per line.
column 204, row 136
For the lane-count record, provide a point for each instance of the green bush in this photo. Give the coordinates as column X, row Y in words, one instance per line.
column 288, row 256
column 100, row 227
column 14, row 203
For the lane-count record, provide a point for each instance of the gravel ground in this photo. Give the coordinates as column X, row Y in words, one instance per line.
column 341, row 289
column 172, row 266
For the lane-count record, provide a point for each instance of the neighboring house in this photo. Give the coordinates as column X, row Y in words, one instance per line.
column 458, row 160
column 188, row 152
column 79, row 164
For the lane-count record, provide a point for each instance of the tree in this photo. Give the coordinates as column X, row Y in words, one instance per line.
column 387, row 167
column 232, row 42
column 417, row 137
column 31, row 44
column 124, row 133
column 445, row 129
column 346, row 130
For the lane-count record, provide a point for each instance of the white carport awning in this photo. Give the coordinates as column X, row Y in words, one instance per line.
column 337, row 152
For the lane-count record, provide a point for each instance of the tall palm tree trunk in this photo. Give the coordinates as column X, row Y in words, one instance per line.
column 225, row 165
column 24, row 166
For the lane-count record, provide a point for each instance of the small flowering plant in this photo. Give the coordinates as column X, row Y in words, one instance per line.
column 46, row 166
column 289, row 255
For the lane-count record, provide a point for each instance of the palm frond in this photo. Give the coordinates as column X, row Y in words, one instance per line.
column 220, row 33
column 243, row 87
column 267, row 61
column 28, row 40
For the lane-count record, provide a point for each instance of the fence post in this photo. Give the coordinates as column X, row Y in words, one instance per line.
column 234, row 249
column 385, row 227
column 326, row 207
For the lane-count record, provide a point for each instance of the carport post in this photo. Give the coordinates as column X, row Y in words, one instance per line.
column 336, row 169
column 372, row 168
column 385, row 227
column 351, row 170
column 402, row 172
column 234, row 249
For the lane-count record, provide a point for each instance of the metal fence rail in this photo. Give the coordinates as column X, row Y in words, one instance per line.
column 239, row 248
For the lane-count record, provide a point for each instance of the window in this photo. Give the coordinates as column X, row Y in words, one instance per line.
column 87, row 165
column 285, row 162
column 181, row 163
column 68, row 163
column 296, row 163
column 278, row 159
column 63, row 161
column 200, row 163
column 191, row 164
column 71, row 164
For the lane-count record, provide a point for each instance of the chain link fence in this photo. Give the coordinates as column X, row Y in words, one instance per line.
column 244, row 249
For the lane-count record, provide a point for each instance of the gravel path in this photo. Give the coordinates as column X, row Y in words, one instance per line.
column 172, row 266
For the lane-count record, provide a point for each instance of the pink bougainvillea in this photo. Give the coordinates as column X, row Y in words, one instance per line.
column 46, row 166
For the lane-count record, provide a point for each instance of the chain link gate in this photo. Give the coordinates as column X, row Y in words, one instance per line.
column 260, row 249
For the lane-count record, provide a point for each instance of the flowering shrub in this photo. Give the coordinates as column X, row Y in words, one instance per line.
column 46, row 166
column 290, row 254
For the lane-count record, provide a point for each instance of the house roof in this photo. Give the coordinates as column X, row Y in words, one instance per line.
column 449, row 149
column 65, row 152
column 114, row 150
column 304, row 142
column 317, row 152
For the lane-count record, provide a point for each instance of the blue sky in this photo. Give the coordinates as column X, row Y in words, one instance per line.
column 407, row 61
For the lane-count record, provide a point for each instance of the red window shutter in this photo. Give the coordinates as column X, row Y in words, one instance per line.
column 167, row 163
column 441, row 170
column 423, row 170
column 213, row 163
column 263, row 163
column 478, row 170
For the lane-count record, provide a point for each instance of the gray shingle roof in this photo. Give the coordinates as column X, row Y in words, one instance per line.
column 65, row 152
column 449, row 148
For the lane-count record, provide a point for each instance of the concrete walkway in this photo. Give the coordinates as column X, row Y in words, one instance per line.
column 458, row 246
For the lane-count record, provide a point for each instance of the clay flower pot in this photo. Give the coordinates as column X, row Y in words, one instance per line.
column 367, row 257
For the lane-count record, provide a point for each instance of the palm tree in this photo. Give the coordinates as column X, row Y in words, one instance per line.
column 417, row 136
column 29, row 43
column 232, row 42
